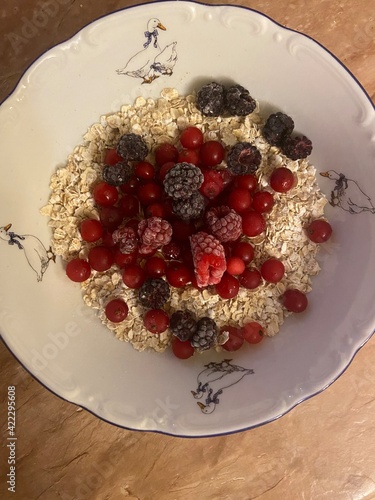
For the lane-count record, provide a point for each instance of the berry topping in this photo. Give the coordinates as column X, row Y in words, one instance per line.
column 156, row 321
column 191, row 138
column 153, row 233
column 213, row 184
column 190, row 208
column 91, row 230
column 117, row 174
column 183, row 325
column 210, row 99
column 294, row 300
column 282, row 179
column 182, row 180
column 297, row 148
column 243, row 158
column 211, row 153
column 319, row 231
column 235, row 338
column 78, row 270
column 127, row 239
column 238, row 101
column 228, row 286
column 116, row 310
column 132, row 147
column 208, row 257
column 253, row 332
column 206, row 334
column 154, row 293
column 224, row 223
column 277, row 127
column 182, row 350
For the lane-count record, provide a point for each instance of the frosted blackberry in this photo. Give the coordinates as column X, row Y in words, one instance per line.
column 132, row 147
column 183, row 325
column 297, row 148
column 117, row 174
column 154, row 293
column 243, row 158
column 238, row 101
column 191, row 208
column 206, row 335
column 210, row 99
column 182, row 180
column 277, row 127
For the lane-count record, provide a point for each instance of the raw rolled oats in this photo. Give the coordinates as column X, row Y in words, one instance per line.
column 159, row 121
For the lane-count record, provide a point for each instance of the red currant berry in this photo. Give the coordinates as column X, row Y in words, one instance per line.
column 178, row 274
column 129, row 205
column 250, row 278
column 100, row 258
column 144, row 170
column 171, row 251
column 124, row 259
column 91, row 230
column 294, row 300
column 228, row 286
column 244, row 251
column 191, row 138
column 319, row 231
column 131, row 186
column 150, row 193
column 155, row 267
column 107, row 239
column 253, row 223
column 235, row 266
column 282, row 179
column 165, row 153
column 211, row 153
column 188, row 156
column 272, row 270
column 104, row 194
column 111, row 157
column 235, row 339
column 212, row 185
column 78, row 270
column 165, row 169
column 156, row 321
column 247, row 181
column 111, row 217
column 253, row 332
column 182, row 230
column 156, row 210
column 263, row 202
column 182, row 350
column 134, row 276
column 116, row 310
column 239, row 199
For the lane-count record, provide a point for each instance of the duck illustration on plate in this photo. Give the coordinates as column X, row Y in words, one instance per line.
column 152, row 61
column 347, row 194
column 214, row 379
column 37, row 256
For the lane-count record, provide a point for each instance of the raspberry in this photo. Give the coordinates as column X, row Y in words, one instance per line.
column 183, row 325
column 212, row 185
column 210, row 99
column 224, row 223
column 208, row 257
column 153, row 233
column 238, row 101
column 117, row 174
column 277, row 127
column 206, row 335
column 127, row 239
column 154, row 293
column 191, row 208
column 182, row 180
column 132, row 147
column 243, row 158
column 297, row 148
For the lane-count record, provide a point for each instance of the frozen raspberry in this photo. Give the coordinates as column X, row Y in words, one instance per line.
column 117, row 174
column 191, row 208
column 277, row 127
column 297, row 148
column 238, row 101
column 210, row 99
column 224, row 223
column 132, row 147
column 243, row 158
column 213, row 184
column 208, row 257
column 182, row 180
column 153, row 233
column 127, row 239
column 183, row 325
column 206, row 335
column 154, row 293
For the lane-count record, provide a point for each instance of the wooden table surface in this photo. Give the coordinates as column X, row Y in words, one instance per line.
column 322, row 449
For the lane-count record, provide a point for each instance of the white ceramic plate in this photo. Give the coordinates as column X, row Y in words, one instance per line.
column 45, row 323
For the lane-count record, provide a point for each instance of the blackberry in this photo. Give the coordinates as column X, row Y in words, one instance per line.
column 183, row 325
column 243, row 158
column 132, row 147
column 225, row 224
column 297, row 148
column 191, row 208
column 182, row 180
column 154, row 293
column 117, row 174
column 210, row 99
column 277, row 127
column 238, row 101
column 206, row 335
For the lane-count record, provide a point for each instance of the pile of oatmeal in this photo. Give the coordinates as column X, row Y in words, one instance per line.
column 159, row 121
